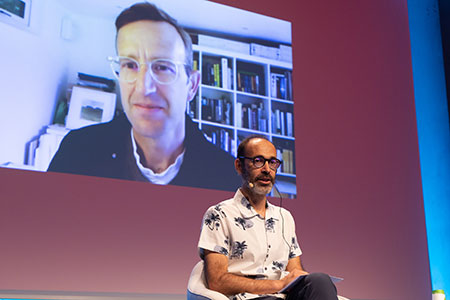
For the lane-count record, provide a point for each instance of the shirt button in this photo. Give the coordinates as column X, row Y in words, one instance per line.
column 269, row 246
column 265, row 268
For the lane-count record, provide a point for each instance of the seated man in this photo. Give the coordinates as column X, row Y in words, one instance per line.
column 153, row 140
column 248, row 245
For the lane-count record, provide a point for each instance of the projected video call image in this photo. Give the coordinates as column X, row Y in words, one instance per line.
column 164, row 100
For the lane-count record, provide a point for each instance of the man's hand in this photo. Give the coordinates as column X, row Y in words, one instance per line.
column 292, row 275
column 295, row 269
column 220, row 280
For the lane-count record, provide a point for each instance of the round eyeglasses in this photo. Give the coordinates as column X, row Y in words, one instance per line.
column 260, row 161
column 163, row 71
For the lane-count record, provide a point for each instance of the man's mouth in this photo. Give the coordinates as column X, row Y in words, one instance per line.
column 148, row 106
column 264, row 180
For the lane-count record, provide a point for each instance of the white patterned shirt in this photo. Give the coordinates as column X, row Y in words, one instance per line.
column 256, row 247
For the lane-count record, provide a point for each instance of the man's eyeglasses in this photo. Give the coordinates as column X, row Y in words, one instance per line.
column 163, row 71
column 260, row 161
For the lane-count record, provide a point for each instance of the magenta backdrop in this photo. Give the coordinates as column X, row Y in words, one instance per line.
column 360, row 210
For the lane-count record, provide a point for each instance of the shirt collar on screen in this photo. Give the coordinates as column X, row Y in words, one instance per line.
column 158, row 178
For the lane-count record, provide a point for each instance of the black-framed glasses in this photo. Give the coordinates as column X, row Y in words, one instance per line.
column 163, row 71
column 259, row 161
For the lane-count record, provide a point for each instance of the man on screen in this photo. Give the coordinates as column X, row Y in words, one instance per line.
column 154, row 140
column 248, row 245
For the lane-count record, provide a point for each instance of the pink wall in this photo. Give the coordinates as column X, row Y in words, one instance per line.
column 360, row 211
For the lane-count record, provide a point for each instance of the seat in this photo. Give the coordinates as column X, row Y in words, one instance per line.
column 197, row 289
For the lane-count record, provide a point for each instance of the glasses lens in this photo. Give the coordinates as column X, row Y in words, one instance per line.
column 259, row 161
column 125, row 68
column 274, row 163
column 128, row 69
column 164, row 71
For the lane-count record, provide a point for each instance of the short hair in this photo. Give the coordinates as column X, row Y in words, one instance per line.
column 150, row 12
column 241, row 150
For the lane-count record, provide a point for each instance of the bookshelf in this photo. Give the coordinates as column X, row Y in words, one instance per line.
column 242, row 94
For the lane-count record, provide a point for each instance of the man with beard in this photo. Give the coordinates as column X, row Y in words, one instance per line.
column 248, row 245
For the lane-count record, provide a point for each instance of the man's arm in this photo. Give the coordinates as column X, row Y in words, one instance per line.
column 295, row 263
column 220, row 280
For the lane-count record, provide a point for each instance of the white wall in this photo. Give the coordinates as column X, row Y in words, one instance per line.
column 93, row 40
column 38, row 66
column 29, row 59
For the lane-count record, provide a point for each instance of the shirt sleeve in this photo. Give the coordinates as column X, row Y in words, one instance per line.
column 295, row 249
column 214, row 233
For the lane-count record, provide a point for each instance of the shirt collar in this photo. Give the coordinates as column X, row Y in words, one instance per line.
column 164, row 177
column 246, row 209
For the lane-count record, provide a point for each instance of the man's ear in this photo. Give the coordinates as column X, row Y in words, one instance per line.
column 238, row 166
column 193, row 83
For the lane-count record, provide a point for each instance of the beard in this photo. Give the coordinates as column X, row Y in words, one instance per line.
column 258, row 188
column 262, row 190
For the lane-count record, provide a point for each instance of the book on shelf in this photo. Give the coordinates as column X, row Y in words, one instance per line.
column 290, row 95
column 208, row 74
column 262, row 124
column 239, row 114
column 276, row 122
column 289, row 124
column 280, row 156
column 287, row 156
column 282, row 123
column 225, row 73
column 228, row 113
column 225, row 140
column 195, row 65
column 192, row 108
column 218, row 74
column 245, row 117
column 221, row 138
column 273, row 85
column 217, row 110
column 248, row 82
column 281, row 85
column 251, row 116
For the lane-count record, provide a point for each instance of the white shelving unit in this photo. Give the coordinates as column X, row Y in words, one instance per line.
column 254, row 85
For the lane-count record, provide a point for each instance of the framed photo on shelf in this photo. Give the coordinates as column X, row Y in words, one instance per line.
column 90, row 106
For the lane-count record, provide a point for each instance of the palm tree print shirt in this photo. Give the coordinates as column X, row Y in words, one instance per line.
column 255, row 246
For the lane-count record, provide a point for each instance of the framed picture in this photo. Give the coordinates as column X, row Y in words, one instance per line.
column 90, row 106
column 15, row 12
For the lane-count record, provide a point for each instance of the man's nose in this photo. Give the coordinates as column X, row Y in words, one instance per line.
column 145, row 83
column 266, row 167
